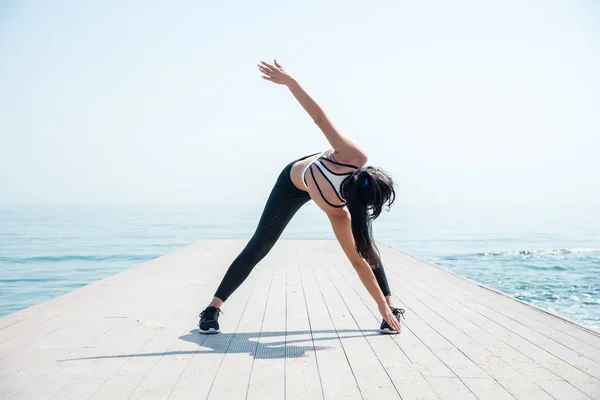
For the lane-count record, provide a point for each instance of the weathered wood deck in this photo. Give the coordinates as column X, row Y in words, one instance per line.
column 301, row 327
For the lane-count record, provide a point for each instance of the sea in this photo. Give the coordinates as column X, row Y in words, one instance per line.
column 545, row 255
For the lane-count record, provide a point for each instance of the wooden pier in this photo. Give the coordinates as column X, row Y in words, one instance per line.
column 301, row 327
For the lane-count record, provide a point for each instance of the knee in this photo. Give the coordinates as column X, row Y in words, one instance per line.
column 264, row 249
column 259, row 249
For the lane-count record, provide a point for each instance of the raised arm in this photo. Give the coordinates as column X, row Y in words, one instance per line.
column 346, row 148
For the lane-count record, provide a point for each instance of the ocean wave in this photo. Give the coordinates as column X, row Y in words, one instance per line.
column 591, row 253
column 45, row 279
column 544, row 268
column 539, row 252
column 78, row 257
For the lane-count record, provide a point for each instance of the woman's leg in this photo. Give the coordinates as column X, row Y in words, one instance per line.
column 283, row 203
column 385, row 288
column 383, row 283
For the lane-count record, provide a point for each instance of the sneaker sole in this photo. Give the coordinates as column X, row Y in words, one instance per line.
column 389, row 331
column 210, row 331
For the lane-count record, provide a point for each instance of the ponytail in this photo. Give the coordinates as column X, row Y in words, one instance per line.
column 366, row 192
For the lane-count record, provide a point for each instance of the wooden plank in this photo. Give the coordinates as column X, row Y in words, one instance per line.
column 373, row 381
column 119, row 351
column 491, row 297
column 129, row 362
column 450, row 388
column 421, row 356
column 21, row 340
column 267, row 378
column 427, row 362
column 460, row 333
column 468, row 323
column 38, row 361
column 123, row 380
column 163, row 359
column 503, row 367
column 14, row 328
column 571, row 391
column 106, row 363
column 49, row 379
column 487, row 388
column 408, row 380
column 337, row 378
column 197, row 379
column 523, row 388
column 560, row 351
column 302, row 378
column 533, row 353
column 233, row 375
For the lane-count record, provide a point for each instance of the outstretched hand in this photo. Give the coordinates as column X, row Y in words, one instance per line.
column 389, row 317
column 274, row 73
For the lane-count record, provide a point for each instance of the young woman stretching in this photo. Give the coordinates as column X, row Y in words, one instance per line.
column 337, row 180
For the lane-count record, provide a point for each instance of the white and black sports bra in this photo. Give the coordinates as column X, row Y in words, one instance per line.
column 335, row 179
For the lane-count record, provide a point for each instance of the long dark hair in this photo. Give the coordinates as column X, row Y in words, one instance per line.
column 366, row 192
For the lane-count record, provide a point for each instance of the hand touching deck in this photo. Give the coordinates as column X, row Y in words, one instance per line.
column 389, row 317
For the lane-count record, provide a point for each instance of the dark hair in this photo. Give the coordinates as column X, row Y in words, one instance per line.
column 366, row 192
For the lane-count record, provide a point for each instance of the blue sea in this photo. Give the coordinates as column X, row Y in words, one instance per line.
column 548, row 256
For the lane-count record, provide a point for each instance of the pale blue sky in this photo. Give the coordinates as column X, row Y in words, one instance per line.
column 161, row 102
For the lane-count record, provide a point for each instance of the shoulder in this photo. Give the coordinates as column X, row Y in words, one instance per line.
column 358, row 161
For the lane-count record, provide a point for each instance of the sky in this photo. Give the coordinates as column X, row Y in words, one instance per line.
column 148, row 102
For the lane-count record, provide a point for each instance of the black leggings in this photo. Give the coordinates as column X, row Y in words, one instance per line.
column 283, row 203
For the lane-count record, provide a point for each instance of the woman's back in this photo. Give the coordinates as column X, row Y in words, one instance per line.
column 323, row 175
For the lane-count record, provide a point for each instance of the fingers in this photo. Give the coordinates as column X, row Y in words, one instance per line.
column 397, row 325
column 272, row 73
column 267, row 65
column 393, row 322
column 264, row 70
column 267, row 69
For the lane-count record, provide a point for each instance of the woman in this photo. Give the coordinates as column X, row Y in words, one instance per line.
column 337, row 180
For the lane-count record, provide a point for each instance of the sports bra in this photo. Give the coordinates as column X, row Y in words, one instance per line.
column 335, row 179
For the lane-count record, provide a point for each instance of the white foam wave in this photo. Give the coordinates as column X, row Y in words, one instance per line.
column 540, row 252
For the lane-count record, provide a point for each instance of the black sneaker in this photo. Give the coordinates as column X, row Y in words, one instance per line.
column 209, row 320
column 385, row 327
